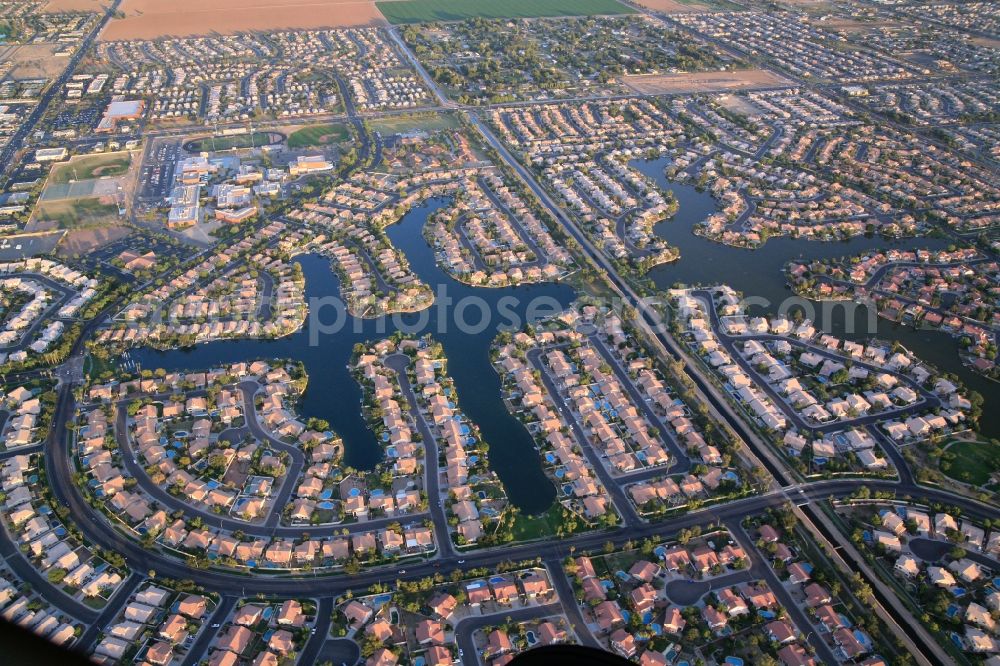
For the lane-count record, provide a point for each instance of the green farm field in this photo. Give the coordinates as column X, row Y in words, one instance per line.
column 423, row 11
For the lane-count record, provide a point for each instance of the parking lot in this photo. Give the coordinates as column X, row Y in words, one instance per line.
column 156, row 176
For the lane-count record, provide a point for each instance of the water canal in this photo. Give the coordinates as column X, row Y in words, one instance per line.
column 335, row 396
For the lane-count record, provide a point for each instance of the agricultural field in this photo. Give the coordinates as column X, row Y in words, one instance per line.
column 318, row 135
column 152, row 19
column 91, row 166
column 424, row 11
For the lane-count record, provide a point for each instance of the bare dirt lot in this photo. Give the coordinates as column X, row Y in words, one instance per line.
column 703, row 82
column 57, row 6
column 740, row 105
column 80, row 241
column 34, row 61
column 149, row 19
column 986, row 41
column 673, row 6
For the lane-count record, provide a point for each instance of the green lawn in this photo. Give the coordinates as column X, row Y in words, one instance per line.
column 543, row 525
column 91, row 166
column 6, row 31
column 229, row 142
column 422, row 11
column 318, row 135
column 971, row 462
column 95, row 367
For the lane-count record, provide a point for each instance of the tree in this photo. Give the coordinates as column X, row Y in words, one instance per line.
column 370, row 644
column 861, row 589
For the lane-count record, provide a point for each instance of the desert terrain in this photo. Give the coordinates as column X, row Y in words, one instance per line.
column 33, row 61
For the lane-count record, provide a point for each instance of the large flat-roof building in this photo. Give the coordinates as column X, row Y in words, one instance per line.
column 51, row 154
column 119, row 110
column 309, row 164
column 235, row 216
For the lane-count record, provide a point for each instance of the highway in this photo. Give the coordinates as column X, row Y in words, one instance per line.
column 650, row 322
column 59, row 467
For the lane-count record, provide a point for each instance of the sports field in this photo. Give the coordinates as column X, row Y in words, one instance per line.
column 91, row 166
column 83, row 212
column 422, row 11
column 91, row 188
column 317, row 135
column 213, row 144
